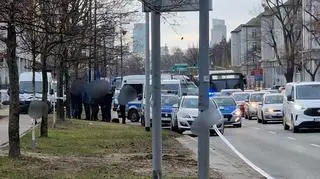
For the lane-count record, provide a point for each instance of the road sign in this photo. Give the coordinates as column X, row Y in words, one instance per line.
column 175, row 5
column 180, row 67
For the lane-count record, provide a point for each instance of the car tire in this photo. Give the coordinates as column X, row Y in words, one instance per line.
column 262, row 120
column 249, row 117
column 142, row 121
column 180, row 131
column 258, row 119
column 174, row 125
column 238, row 125
column 294, row 129
column 133, row 115
column 285, row 126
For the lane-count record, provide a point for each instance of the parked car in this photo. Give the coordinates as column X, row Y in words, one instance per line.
column 251, row 108
column 229, row 109
column 271, row 108
column 167, row 110
column 228, row 92
column 301, row 106
column 187, row 113
column 241, row 99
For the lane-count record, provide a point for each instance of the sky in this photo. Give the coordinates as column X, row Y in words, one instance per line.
column 186, row 24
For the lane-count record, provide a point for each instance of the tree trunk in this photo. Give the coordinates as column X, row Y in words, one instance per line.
column 60, row 105
column 14, row 137
column 313, row 77
column 44, row 123
column 67, row 90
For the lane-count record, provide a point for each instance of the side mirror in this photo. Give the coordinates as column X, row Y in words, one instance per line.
column 247, row 100
column 8, row 91
column 184, row 94
column 139, row 97
column 289, row 98
column 51, row 92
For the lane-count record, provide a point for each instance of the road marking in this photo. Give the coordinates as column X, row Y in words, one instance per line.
column 315, row 145
column 257, row 128
column 240, row 155
column 291, row 138
column 271, row 132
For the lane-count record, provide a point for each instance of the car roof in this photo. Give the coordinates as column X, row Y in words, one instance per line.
column 246, row 92
column 216, row 97
column 190, row 97
column 273, row 94
column 304, row 83
column 231, row 90
column 259, row 92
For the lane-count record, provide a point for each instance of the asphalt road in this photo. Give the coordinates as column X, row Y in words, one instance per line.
column 280, row 153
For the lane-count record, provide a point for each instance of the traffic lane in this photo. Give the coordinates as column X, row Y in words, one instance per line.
column 279, row 157
column 305, row 137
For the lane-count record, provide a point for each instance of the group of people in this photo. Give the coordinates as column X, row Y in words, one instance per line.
column 91, row 105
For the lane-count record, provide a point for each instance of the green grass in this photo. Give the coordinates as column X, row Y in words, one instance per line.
column 93, row 138
column 86, row 149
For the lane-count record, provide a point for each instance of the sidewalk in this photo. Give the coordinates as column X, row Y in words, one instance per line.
column 25, row 124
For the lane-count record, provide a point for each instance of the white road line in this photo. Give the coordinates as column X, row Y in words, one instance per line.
column 291, row 138
column 315, row 145
column 271, row 132
column 252, row 165
column 257, row 128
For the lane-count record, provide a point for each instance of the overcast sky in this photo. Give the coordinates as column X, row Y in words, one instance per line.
column 234, row 12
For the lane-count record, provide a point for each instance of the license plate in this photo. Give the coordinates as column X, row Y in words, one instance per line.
column 279, row 114
column 317, row 119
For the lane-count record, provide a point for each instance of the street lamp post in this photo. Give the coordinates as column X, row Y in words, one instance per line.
column 122, row 33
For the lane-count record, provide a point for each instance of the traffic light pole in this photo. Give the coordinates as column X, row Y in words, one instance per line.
column 203, row 139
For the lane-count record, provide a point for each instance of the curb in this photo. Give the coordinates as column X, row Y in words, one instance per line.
column 6, row 144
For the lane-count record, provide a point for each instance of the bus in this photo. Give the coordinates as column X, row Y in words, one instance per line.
column 226, row 80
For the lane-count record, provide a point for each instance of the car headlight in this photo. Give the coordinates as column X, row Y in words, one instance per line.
column 268, row 110
column 237, row 112
column 298, row 107
column 254, row 105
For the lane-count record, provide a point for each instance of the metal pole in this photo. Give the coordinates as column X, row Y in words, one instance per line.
column 121, row 57
column 203, row 139
column 147, row 71
column 156, row 93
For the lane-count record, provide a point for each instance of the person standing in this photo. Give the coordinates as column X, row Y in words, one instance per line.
column 86, row 103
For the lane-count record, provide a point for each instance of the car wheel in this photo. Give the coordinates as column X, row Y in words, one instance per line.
column 174, row 125
column 285, row 126
column 249, row 117
column 222, row 129
column 142, row 121
column 133, row 115
column 180, row 131
column 258, row 119
column 262, row 120
column 294, row 129
column 238, row 125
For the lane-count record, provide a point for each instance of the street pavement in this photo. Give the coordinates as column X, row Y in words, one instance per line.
column 280, row 153
column 25, row 125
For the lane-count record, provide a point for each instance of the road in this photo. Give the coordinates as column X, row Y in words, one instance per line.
column 25, row 124
column 280, row 153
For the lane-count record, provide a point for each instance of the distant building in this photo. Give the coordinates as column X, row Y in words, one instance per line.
column 139, row 38
column 218, row 31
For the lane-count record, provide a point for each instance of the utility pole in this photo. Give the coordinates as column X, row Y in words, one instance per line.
column 147, row 71
column 90, row 40
column 156, row 91
column 203, row 139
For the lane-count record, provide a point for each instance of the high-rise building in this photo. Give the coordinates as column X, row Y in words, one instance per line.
column 139, row 38
column 218, row 31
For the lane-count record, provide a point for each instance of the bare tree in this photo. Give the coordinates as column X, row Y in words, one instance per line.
column 286, row 44
column 312, row 26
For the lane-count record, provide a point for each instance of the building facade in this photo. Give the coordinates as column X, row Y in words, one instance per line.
column 139, row 38
column 218, row 31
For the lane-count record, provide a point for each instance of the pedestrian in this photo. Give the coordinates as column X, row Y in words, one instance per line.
column 78, row 106
column 108, row 106
column 123, row 113
column 94, row 109
column 86, row 103
column 73, row 105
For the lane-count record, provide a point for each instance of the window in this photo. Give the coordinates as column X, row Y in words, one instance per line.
column 308, row 92
column 225, row 102
column 254, row 33
column 276, row 99
column 190, row 103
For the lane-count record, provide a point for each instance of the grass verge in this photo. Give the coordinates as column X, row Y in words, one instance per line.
column 86, row 149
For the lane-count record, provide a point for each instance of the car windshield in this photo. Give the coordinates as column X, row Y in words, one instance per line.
column 26, row 87
column 256, row 97
column 169, row 100
column 170, row 87
column 308, row 92
column 225, row 101
column 189, row 89
column 241, row 96
column 190, row 103
column 277, row 99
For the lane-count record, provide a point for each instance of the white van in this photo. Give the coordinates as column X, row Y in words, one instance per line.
column 26, row 89
column 301, row 106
